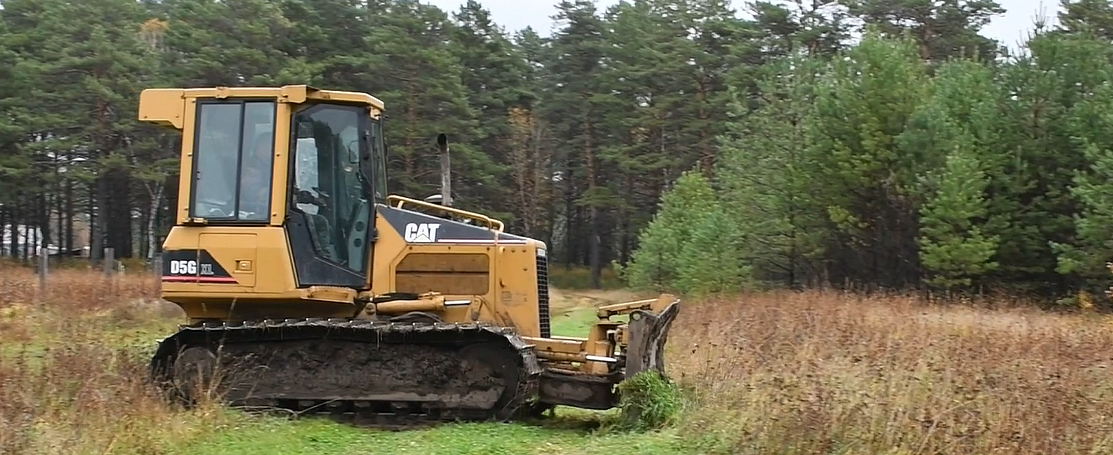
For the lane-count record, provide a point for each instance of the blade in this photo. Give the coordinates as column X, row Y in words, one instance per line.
column 648, row 334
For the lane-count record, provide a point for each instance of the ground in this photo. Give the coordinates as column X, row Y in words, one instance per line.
column 770, row 373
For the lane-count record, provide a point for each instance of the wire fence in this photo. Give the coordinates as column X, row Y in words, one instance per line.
column 109, row 265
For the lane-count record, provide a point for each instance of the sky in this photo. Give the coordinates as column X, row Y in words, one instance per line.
column 1010, row 28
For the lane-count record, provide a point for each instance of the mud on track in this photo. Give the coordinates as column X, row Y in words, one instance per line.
column 338, row 369
column 427, row 371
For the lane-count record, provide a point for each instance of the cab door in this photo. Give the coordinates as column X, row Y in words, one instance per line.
column 329, row 219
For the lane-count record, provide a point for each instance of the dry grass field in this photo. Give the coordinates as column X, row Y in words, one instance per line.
column 777, row 373
column 72, row 363
column 817, row 374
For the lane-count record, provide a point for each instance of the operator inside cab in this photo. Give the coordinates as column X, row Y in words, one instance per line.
column 256, row 175
column 233, row 161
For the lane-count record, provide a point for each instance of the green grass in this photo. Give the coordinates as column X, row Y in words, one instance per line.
column 559, row 435
column 574, row 322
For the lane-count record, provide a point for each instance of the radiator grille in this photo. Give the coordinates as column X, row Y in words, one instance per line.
column 543, row 294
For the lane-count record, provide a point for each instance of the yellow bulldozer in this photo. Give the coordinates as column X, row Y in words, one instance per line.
column 308, row 288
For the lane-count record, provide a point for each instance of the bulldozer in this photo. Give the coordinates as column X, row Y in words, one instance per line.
column 308, row 288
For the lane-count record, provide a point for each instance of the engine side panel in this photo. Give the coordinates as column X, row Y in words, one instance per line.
column 417, row 253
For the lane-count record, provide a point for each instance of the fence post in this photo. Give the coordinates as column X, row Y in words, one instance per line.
column 109, row 261
column 44, row 262
column 156, row 265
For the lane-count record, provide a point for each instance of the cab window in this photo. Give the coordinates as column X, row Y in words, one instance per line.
column 233, row 161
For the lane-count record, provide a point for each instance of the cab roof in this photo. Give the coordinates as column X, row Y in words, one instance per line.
column 164, row 105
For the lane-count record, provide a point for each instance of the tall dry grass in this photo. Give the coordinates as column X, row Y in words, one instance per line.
column 71, row 376
column 816, row 373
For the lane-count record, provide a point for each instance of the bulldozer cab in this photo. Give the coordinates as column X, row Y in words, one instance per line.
column 308, row 160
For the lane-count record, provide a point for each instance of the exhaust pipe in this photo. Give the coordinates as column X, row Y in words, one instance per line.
column 446, row 171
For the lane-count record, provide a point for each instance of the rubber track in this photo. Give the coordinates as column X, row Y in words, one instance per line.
column 373, row 412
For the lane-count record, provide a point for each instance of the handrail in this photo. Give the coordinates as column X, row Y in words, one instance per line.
column 491, row 222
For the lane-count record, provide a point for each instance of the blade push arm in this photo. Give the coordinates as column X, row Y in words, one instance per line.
column 640, row 342
column 656, row 306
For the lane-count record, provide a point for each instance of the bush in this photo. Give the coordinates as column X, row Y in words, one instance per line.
column 649, row 401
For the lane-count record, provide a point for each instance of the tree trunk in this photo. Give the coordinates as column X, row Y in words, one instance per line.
column 3, row 228
column 707, row 151
column 119, row 223
column 570, row 242
column 14, row 232
column 68, row 215
column 97, row 214
column 594, row 247
column 44, row 221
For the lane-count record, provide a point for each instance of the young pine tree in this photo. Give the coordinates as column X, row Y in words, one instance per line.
column 1094, row 246
column 952, row 134
column 1087, row 255
column 865, row 180
column 711, row 260
column 953, row 248
column 688, row 245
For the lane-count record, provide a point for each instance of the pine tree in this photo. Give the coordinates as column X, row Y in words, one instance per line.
column 658, row 260
column 576, row 114
column 867, row 181
column 418, row 77
column 534, row 149
column 764, row 174
column 83, row 67
column 326, row 43
column 15, row 165
column 711, row 260
column 234, row 43
column 1091, row 126
column 949, row 134
column 954, row 249
column 719, row 42
column 1033, row 165
column 492, row 74
column 1094, row 248
column 644, row 72
column 1092, row 17
column 817, row 28
column 941, row 29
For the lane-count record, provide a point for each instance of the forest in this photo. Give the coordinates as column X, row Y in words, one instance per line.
column 692, row 145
